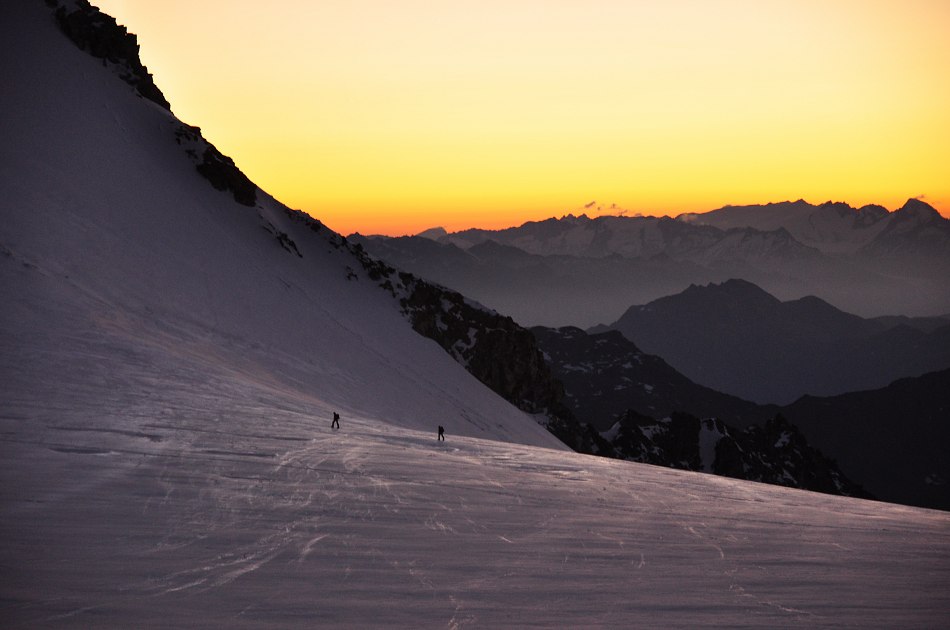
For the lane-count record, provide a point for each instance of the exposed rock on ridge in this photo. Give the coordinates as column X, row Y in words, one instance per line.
column 216, row 167
column 493, row 348
column 102, row 37
column 776, row 453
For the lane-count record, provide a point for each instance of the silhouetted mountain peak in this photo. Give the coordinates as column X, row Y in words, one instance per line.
column 572, row 218
column 869, row 214
column 433, row 233
column 814, row 302
column 102, row 37
column 915, row 209
column 734, row 288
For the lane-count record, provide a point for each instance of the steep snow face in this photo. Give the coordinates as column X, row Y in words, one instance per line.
column 709, row 436
column 104, row 212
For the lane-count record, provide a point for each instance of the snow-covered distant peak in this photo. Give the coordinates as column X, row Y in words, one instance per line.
column 834, row 228
column 918, row 211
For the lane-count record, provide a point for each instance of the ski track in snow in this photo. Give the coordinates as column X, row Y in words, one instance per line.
column 339, row 521
column 331, row 518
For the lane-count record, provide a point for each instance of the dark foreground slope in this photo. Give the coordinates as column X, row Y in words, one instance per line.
column 890, row 441
column 648, row 412
column 894, row 440
column 775, row 453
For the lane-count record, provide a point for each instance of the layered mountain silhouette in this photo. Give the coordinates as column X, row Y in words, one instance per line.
column 579, row 270
column 737, row 338
column 892, row 440
column 605, row 374
column 555, row 290
column 838, row 228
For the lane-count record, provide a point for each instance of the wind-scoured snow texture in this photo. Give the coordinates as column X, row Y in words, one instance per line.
column 229, row 503
column 168, row 369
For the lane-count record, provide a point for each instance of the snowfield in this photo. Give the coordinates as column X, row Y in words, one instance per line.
column 151, row 488
column 168, row 371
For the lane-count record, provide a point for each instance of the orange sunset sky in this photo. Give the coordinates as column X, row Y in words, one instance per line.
column 395, row 116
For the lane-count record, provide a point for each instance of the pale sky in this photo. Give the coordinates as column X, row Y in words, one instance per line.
column 395, row 116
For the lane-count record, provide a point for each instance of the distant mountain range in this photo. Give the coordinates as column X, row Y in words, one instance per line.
column 831, row 227
column 736, row 338
column 582, row 271
column 534, row 289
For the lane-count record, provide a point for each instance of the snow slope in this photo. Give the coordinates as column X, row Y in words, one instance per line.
column 233, row 511
column 167, row 373
column 105, row 206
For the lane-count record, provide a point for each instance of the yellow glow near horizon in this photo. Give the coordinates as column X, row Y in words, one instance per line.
column 393, row 117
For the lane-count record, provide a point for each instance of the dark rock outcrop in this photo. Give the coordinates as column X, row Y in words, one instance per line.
column 604, row 374
column 775, row 453
column 221, row 171
column 102, row 37
column 893, row 440
column 493, row 348
column 216, row 167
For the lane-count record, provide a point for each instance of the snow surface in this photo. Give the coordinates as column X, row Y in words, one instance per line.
column 709, row 436
column 242, row 509
column 167, row 376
